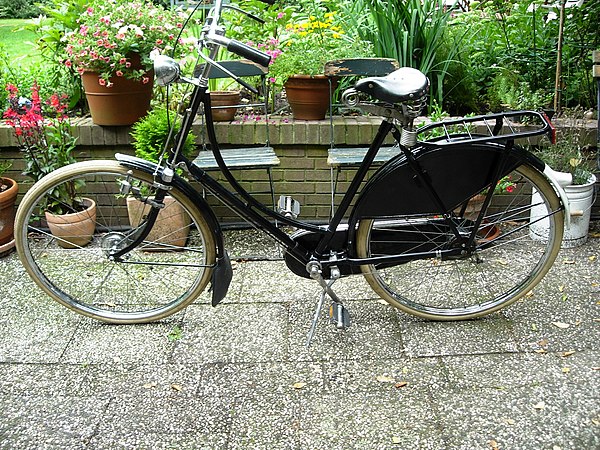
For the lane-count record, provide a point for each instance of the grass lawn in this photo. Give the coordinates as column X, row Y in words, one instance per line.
column 18, row 44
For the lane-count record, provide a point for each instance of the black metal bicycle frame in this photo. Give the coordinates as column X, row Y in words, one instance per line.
column 258, row 214
column 246, row 205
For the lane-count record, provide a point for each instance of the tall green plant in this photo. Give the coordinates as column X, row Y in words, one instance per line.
column 411, row 31
column 58, row 18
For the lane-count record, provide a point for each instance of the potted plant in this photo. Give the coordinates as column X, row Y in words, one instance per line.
column 150, row 137
column 47, row 144
column 111, row 49
column 299, row 58
column 8, row 197
column 575, row 173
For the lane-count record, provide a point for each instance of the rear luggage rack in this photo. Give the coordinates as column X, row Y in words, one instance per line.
column 487, row 128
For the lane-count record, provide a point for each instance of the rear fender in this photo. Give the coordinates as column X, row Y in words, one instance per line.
column 557, row 181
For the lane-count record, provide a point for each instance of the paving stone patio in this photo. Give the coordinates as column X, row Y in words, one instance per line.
column 240, row 376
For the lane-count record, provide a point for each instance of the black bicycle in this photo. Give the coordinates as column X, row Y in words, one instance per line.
column 446, row 230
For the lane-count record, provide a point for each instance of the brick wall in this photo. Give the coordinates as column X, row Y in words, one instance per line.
column 300, row 145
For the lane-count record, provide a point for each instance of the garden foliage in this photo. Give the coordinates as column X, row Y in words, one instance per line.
column 498, row 55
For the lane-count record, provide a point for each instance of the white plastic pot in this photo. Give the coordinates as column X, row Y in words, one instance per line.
column 580, row 198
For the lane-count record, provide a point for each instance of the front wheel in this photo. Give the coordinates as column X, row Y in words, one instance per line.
column 507, row 262
column 160, row 276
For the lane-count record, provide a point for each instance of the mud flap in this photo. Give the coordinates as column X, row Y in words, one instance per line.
column 221, row 278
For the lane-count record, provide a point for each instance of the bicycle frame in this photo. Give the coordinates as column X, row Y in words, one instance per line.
column 249, row 208
column 263, row 217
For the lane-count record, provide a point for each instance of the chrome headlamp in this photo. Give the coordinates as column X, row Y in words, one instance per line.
column 166, row 70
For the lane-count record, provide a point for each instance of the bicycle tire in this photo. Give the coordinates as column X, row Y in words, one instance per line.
column 500, row 271
column 162, row 275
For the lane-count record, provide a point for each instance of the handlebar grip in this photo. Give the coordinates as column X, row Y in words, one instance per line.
column 248, row 52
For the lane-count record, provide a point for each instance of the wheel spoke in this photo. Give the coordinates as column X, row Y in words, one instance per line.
column 494, row 274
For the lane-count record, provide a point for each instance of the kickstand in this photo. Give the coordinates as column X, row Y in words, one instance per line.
column 313, row 326
column 337, row 312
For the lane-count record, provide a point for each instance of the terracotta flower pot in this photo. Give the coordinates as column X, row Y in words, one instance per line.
column 7, row 212
column 473, row 208
column 218, row 99
column 75, row 229
column 124, row 103
column 171, row 228
column 308, row 96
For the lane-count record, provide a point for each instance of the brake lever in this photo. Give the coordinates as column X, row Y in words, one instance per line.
column 214, row 63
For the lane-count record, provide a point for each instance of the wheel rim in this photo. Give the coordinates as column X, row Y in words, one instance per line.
column 499, row 272
column 153, row 281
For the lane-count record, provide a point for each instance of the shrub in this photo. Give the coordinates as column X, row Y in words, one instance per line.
column 18, row 9
column 151, row 133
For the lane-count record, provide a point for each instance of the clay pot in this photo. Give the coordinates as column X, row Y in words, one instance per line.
column 7, row 214
column 171, row 228
column 124, row 103
column 308, row 96
column 75, row 229
column 219, row 99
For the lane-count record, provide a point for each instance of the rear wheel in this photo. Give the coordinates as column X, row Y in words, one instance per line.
column 506, row 263
column 159, row 277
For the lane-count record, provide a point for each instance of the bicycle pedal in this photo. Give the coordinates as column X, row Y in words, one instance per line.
column 288, row 207
column 339, row 316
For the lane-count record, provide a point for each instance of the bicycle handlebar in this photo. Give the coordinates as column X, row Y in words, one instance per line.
column 214, row 34
column 245, row 51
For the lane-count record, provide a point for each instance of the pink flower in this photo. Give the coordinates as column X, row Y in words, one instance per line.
column 272, row 79
column 159, row 42
column 101, row 81
column 119, row 73
column 83, row 30
column 120, row 36
column 89, row 11
column 128, row 64
column 280, row 15
column 68, row 63
column 145, row 80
